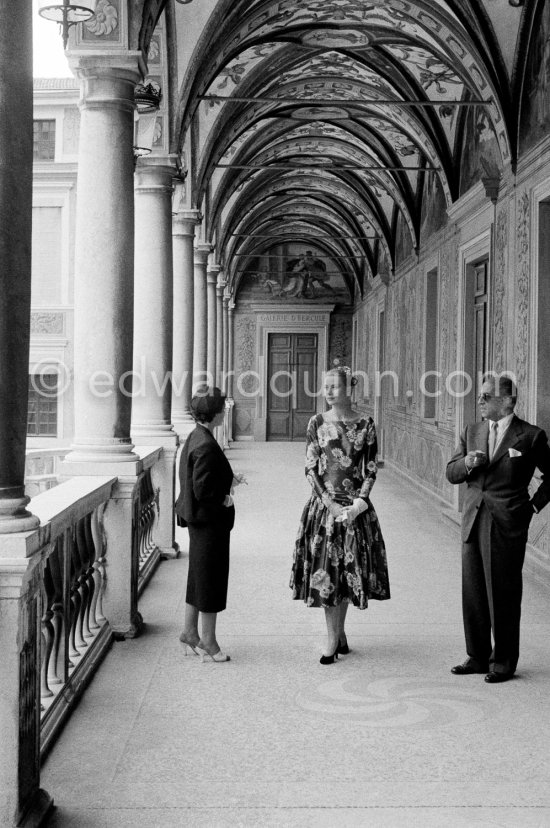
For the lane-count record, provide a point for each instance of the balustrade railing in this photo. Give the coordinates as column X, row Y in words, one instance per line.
column 145, row 518
column 74, row 632
column 65, row 596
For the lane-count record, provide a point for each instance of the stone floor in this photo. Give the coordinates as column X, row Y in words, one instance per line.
column 384, row 737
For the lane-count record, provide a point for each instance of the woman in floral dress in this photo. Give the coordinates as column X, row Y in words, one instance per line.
column 340, row 556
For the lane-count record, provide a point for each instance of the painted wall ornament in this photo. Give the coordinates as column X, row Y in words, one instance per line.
column 105, row 19
column 337, row 37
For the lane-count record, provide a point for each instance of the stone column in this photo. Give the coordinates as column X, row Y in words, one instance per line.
column 220, row 379
column 226, row 365
column 15, row 259
column 153, row 317
column 200, row 365
column 212, row 283
column 183, row 232
column 230, row 364
column 104, row 259
column 104, row 312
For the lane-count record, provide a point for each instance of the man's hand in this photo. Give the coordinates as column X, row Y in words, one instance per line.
column 475, row 459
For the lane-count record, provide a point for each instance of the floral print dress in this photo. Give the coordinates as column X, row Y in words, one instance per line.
column 336, row 561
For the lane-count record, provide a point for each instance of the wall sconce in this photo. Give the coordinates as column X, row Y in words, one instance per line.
column 147, row 98
column 67, row 14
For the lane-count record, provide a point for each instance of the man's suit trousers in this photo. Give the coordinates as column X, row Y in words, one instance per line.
column 491, row 593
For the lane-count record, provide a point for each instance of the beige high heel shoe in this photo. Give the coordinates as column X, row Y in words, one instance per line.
column 188, row 649
column 219, row 656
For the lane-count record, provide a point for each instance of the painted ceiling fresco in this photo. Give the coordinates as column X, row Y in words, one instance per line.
column 366, row 118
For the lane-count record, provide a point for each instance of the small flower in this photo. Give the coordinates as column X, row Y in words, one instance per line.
column 320, row 580
column 354, row 582
column 325, row 433
column 342, row 459
column 349, row 557
column 325, row 591
column 371, row 466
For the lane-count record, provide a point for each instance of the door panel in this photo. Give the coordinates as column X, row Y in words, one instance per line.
column 291, row 400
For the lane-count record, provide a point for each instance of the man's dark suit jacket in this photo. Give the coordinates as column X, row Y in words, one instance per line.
column 205, row 480
column 502, row 484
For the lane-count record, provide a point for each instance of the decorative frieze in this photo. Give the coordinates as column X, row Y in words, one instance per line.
column 522, row 295
column 47, row 323
column 499, row 289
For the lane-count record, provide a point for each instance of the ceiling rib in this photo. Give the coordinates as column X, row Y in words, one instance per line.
column 305, row 166
column 329, row 238
column 328, row 102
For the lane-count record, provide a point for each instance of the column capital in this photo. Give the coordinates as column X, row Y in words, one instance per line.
column 184, row 222
column 106, row 79
column 202, row 252
column 212, row 274
column 155, row 171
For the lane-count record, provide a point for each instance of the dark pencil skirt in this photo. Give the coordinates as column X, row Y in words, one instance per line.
column 208, row 567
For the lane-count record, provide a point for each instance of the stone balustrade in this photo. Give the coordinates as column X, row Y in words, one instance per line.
column 59, row 584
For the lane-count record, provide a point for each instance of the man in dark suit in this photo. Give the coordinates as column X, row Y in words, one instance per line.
column 496, row 459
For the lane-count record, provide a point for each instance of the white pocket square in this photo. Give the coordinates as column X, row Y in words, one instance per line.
column 514, row 453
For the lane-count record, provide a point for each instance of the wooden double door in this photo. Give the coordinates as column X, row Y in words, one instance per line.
column 291, row 384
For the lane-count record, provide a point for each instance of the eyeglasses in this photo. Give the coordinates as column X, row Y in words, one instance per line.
column 485, row 397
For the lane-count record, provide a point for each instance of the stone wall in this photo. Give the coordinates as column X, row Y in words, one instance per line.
column 420, row 448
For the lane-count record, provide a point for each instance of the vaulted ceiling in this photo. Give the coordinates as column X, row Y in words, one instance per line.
column 329, row 121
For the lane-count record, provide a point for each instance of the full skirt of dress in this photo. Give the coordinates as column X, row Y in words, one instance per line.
column 335, row 561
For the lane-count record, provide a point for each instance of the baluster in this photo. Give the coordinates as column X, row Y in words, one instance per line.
column 88, row 576
column 58, row 614
column 80, row 551
column 99, row 566
column 74, row 597
column 47, row 631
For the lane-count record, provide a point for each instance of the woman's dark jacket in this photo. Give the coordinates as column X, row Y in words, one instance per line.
column 205, row 480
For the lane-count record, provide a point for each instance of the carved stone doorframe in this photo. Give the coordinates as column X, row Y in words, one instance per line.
column 293, row 318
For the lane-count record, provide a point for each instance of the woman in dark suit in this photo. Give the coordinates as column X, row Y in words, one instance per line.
column 205, row 506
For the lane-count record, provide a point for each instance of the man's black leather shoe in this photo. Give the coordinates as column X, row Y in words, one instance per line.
column 467, row 669
column 497, row 678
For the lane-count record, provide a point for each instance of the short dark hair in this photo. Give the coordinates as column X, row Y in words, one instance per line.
column 206, row 403
column 506, row 385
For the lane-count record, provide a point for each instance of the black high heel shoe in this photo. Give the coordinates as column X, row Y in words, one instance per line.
column 343, row 649
column 329, row 659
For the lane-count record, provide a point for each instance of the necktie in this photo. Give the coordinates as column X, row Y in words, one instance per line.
column 493, row 437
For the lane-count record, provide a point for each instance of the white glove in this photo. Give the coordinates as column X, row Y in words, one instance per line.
column 238, row 479
column 351, row 512
column 228, row 501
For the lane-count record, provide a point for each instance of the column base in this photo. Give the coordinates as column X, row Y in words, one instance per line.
column 14, row 517
column 38, row 812
column 136, row 628
column 171, row 552
column 151, row 431
column 115, row 451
